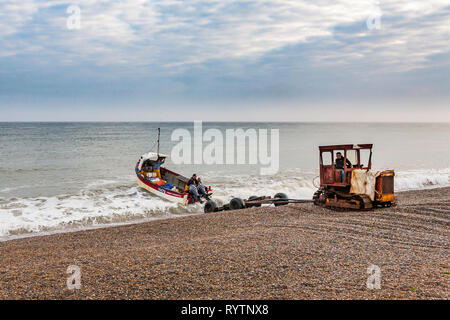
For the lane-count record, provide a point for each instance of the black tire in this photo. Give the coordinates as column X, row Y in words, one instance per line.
column 253, row 198
column 280, row 195
column 210, row 206
column 236, row 204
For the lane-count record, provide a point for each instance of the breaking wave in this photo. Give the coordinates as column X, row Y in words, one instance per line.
column 91, row 207
column 109, row 202
column 422, row 179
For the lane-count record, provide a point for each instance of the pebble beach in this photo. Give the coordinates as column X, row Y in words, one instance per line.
column 297, row 251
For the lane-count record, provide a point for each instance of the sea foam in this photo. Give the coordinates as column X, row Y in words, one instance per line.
column 106, row 202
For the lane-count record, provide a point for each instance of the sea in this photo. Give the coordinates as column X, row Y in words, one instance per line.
column 61, row 177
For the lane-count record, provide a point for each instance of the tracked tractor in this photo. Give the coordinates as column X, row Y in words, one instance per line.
column 347, row 180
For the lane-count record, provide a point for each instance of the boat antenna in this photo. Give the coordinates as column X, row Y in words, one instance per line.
column 159, row 132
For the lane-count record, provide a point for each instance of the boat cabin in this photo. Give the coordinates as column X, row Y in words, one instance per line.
column 149, row 168
column 150, row 163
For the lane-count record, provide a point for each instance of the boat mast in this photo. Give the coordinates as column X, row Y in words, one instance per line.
column 159, row 132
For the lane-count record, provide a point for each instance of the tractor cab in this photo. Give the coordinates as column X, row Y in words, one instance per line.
column 355, row 156
column 347, row 180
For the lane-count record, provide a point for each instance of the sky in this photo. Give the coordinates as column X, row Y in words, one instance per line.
column 226, row 60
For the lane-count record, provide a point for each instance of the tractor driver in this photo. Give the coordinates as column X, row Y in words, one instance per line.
column 340, row 165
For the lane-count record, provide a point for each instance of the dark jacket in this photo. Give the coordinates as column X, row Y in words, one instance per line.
column 340, row 163
column 192, row 181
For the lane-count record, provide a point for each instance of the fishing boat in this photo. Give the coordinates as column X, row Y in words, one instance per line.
column 161, row 181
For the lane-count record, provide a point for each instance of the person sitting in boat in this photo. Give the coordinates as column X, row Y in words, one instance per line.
column 201, row 189
column 193, row 180
column 157, row 165
column 192, row 187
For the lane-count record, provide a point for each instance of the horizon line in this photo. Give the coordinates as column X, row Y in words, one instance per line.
column 220, row 121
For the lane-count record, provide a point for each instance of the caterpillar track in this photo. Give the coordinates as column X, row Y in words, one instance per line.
column 342, row 202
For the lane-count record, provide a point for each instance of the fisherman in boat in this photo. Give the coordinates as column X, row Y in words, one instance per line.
column 201, row 189
column 192, row 187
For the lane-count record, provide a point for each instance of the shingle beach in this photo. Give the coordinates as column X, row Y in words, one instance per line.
column 290, row 252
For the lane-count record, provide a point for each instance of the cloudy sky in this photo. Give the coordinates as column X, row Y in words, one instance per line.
column 286, row 60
